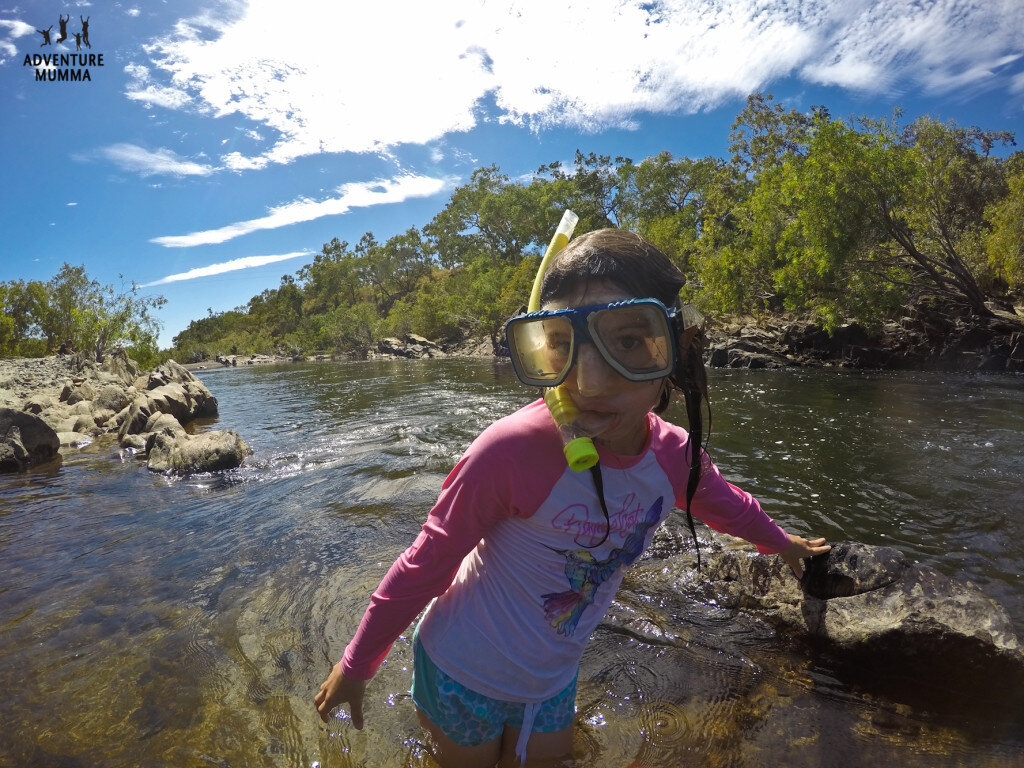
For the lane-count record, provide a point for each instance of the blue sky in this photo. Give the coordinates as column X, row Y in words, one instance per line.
column 221, row 144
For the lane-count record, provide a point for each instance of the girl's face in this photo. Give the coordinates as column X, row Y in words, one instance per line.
column 613, row 408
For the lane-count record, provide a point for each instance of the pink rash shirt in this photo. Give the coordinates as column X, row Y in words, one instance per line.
column 507, row 554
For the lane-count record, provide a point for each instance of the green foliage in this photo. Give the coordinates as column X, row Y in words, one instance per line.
column 841, row 219
column 72, row 308
column 1004, row 244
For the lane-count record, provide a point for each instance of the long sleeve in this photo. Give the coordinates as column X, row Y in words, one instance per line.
column 732, row 510
column 463, row 514
column 498, row 477
column 717, row 502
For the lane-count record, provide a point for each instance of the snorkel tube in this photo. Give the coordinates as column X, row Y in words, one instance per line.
column 577, row 446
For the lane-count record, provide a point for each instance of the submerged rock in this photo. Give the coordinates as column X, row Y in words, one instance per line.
column 183, row 454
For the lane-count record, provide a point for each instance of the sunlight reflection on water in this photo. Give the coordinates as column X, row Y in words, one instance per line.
column 189, row 621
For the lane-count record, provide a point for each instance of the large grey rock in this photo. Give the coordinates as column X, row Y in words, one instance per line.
column 188, row 454
column 746, row 353
column 868, row 597
column 184, row 400
column 111, row 397
column 28, row 438
column 862, row 603
column 13, row 456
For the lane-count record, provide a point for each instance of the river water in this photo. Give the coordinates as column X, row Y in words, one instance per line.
column 152, row 621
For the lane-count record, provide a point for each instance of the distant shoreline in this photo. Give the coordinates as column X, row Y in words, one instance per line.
column 925, row 339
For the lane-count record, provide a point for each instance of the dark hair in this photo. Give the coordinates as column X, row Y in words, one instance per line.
column 634, row 264
column 631, row 262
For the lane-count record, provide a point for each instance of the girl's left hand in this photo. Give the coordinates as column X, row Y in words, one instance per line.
column 800, row 548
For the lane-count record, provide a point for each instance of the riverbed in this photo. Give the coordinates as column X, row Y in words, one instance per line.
column 147, row 620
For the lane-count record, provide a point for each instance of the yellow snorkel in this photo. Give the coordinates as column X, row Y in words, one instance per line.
column 578, row 447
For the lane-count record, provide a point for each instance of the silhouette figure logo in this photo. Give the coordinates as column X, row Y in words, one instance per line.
column 64, row 67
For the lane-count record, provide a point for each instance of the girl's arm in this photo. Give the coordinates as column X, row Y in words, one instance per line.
column 504, row 473
column 463, row 514
column 732, row 510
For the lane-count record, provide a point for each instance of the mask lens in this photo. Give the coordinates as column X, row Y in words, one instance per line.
column 541, row 347
column 635, row 339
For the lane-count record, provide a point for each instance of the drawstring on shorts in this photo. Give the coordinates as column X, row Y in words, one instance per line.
column 529, row 715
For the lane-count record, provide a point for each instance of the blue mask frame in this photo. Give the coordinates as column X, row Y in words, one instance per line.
column 583, row 323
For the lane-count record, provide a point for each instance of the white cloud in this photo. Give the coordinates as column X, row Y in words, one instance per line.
column 72, row 204
column 141, row 88
column 355, row 195
column 941, row 46
column 133, row 12
column 246, row 262
column 236, row 161
column 130, row 157
column 15, row 28
column 10, row 30
column 359, row 77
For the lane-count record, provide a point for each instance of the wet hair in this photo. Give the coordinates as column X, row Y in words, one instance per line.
column 639, row 268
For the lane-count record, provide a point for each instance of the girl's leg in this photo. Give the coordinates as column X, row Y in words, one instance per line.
column 544, row 750
column 452, row 755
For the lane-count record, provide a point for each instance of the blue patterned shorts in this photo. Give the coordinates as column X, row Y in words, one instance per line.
column 469, row 718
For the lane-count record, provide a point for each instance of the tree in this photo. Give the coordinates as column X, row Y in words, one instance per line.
column 21, row 306
column 490, row 216
column 764, row 134
column 331, row 279
column 594, row 189
column 853, row 220
column 1005, row 242
column 96, row 317
column 942, row 227
column 667, row 199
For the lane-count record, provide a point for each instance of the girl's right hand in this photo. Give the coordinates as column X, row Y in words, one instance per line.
column 338, row 689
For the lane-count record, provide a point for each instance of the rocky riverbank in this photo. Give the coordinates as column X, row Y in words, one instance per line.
column 927, row 337
column 408, row 347
column 54, row 404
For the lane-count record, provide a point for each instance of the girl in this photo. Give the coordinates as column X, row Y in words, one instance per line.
column 524, row 555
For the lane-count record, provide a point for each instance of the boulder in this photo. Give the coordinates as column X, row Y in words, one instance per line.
column 101, row 416
column 170, row 372
column 38, row 403
column 74, row 439
column 13, row 455
column 29, row 440
column 161, row 424
column 77, row 393
column 85, row 423
column 410, row 346
column 111, row 397
column 746, row 353
column 863, row 604
column 189, row 454
column 184, row 400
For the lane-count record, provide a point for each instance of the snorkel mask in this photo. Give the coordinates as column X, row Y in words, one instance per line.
column 636, row 338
